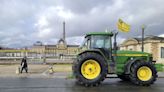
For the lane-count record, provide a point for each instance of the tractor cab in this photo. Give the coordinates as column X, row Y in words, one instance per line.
column 97, row 41
column 100, row 41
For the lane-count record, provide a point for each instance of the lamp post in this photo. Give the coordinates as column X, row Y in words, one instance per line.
column 143, row 29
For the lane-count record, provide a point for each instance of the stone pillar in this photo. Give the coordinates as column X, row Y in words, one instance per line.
column 155, row 51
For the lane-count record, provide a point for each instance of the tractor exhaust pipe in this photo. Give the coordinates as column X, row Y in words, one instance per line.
column 115, row 46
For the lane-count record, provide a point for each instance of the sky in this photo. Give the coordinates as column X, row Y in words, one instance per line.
column 23, row 22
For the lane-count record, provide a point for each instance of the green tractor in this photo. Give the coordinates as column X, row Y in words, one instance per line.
column 98, row 57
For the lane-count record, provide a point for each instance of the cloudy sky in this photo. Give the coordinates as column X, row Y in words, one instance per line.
column 23, row 22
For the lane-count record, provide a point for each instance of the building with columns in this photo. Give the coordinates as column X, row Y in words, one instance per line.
column 152, row 44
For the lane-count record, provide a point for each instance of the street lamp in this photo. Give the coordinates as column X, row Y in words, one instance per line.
column 143, row 28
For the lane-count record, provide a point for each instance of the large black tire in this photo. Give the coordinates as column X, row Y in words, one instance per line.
column 78, row 64
column 135, row 79
column 124, row 77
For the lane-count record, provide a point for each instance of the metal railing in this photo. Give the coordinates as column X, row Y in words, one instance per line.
column 15, row 56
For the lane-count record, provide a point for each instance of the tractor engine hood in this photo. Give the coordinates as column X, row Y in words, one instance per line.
column 133, row 53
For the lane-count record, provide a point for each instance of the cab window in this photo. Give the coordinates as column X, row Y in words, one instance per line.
column 100, row 42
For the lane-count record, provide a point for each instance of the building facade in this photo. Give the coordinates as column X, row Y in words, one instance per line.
column 152, row 44
column 59, row 50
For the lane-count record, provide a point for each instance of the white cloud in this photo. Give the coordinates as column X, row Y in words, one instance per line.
column 45, row 33
column 161, row 35
column 77, row 40
column 49, row 21
column 42, row 22
column 63, row 13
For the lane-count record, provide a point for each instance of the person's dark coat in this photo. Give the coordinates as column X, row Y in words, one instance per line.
column 24, row 63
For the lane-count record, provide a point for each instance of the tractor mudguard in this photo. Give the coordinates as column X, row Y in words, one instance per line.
column 95, row 51
column 129, row 63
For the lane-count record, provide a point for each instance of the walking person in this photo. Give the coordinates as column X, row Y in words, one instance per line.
column 24, row 65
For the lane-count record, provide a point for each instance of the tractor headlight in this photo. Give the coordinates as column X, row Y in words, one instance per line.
column 131, row 58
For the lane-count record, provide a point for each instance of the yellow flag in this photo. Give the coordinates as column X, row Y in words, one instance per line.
column 122, row 26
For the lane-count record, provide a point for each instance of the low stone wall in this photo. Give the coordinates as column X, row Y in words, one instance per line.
column 37, row 61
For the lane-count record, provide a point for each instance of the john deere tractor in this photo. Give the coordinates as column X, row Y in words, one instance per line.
column 98, row 57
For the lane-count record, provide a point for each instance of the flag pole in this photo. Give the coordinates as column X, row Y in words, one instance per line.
column 143, row 29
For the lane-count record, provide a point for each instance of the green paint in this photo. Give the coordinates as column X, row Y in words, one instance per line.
column 159, row 67
column 125, row 56
column 99, row 33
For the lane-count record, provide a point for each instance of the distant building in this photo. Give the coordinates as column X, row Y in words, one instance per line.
column 152, row 44
column 57, row 50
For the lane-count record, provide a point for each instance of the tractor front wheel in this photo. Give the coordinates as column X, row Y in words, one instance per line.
column 143, row 73
column 90, row 69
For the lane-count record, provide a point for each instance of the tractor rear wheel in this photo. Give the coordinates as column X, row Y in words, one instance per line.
column 143, row 73
column 90, row 69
